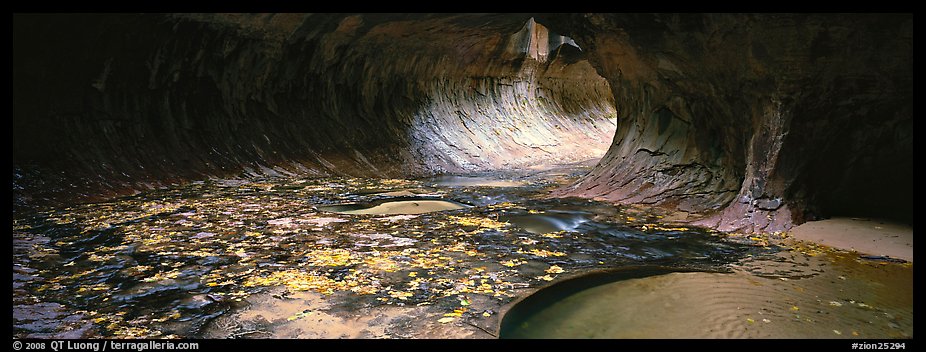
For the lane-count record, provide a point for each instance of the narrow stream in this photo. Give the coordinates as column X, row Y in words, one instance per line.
column 167, row 263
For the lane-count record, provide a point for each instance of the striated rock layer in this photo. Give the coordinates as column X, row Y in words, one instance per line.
column 108, row 104
column 759, row 121
column 748, row 122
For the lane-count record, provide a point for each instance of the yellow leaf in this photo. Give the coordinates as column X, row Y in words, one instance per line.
column 486, row 314
column 413, row 274
column 554, row 269
column 749, row 320
column 445, row 320
column 795, row 308
column 545, row 278
column 299, row 315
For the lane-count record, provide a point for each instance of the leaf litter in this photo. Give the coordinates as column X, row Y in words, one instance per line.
column 165, row 262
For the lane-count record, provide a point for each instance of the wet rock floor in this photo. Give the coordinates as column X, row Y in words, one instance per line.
column 260, row 258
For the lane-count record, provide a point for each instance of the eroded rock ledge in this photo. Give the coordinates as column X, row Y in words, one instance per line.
column 759, row 121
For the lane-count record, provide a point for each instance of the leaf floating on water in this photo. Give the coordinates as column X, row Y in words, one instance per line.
column 554, row 269
column 835, row 304
column 837, row 332
column 766, row 321
column 401, row 295
column 750, row 320
column 482, row 223
column 543, row 253
column 795, row 308
column 456, row 312
column 545, row 278
column 300, row 315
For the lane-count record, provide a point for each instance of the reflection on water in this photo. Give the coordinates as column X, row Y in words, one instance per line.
column 396, row 207
column 850, row 298
column 474, row 181
column 168, row 262
column 550, row 221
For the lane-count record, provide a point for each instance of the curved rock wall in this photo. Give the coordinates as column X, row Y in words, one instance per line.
column 747, row 122
column 760, row 120
column 108, row 104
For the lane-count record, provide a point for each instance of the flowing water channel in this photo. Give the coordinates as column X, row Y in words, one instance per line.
column 451, row 253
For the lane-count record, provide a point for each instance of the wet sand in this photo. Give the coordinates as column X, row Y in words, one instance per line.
column 407, row 207
column 280, row 314
column 867, row 236
column 469, row 181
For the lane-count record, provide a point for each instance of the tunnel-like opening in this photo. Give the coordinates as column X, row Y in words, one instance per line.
column 749, row 130
column 436, row 166
column 155, row 100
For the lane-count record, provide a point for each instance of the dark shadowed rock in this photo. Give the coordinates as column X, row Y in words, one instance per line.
column 753, row 121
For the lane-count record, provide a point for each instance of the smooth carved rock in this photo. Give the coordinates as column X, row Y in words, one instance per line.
column 808, row 114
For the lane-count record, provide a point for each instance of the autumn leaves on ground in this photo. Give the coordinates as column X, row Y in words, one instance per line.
column 258, row 259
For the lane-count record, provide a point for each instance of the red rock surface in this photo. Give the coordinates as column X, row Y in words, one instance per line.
column 755, row 122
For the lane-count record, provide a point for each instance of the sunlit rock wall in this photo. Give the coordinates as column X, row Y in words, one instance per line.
column 747, row 122
column 112, row 104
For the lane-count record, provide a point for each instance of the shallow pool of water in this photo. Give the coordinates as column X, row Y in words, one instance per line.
column 832, row 297
column 396, row 207
column 172, row 262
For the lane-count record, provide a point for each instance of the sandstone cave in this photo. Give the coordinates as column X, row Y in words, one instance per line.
column 422, row 175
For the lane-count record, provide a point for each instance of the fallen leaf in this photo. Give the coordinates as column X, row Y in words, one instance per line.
column 554, row 269
column 299, row 315
column 445, row 320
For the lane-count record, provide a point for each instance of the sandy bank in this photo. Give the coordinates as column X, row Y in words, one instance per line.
column 868, row 236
